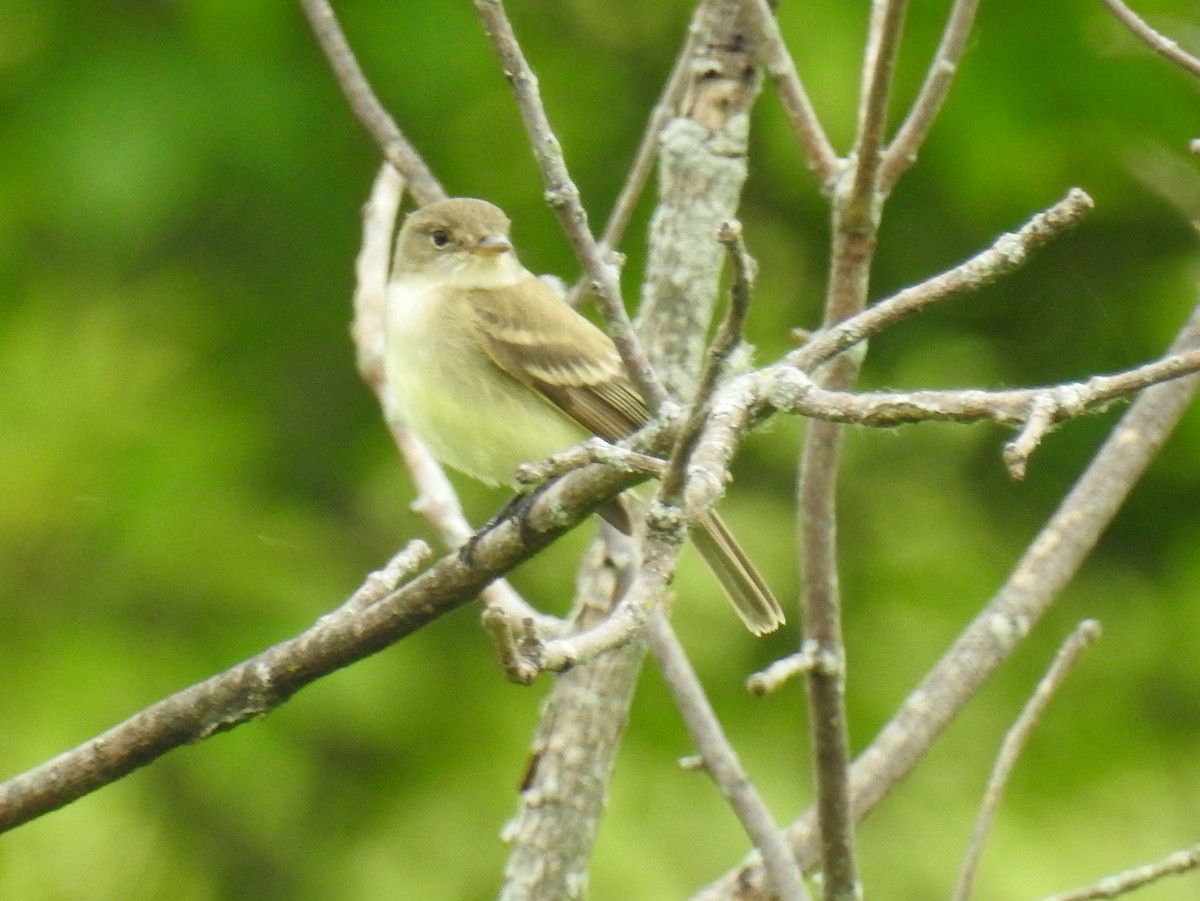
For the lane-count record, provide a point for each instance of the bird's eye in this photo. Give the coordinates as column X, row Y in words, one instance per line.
column 439, row 238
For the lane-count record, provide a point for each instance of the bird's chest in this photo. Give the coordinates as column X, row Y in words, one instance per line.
column 471, row 414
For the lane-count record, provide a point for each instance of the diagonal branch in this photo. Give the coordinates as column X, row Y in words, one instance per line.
column 781, row 67
column 721, row 761
column 643, row 162
column 366, row 106
column 1129, row 881
column 1007, row 253
column 563, row 196
column 377, row 616
column 1159, row 43
column 1085, row 635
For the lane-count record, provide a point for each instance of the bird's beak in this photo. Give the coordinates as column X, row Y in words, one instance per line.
column 491, row 245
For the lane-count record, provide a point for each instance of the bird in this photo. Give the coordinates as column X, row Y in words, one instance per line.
column 492, row 368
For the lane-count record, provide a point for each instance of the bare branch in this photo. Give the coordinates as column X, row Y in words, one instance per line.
column 371, row 275
column 221, row 702
column 1085, row 635
column 1159, row 43
column 665, row 533
column 857, row 203
column 702, row 170
column 721, row 761
column 883, row 47
column 747, row 399
column 793, row 391
column 1047, row 565
column 1037, row 426
column 1123, row 883
column 366, row 106
column 826, row 687
column 355, row 632
column 563, row 197
column 1007, row 254
column 781, row 67
column 594, row 450
column 902, row 152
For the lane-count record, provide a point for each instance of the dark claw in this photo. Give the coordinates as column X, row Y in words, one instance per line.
column 514, row 509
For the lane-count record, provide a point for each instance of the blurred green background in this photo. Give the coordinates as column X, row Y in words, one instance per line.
column 190, row 469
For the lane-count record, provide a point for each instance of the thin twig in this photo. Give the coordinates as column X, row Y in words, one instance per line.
column 563, row 197
column 594, row 450
column 721, row 761
column 883, row 47
column 725, row 342
column 1007, row 253
column 1085, row 635
column 903, row 150
column 1159, row 43
column 784, row 670
column 747, row 399
column 366, row 106
column 643, row 161
column 781, row 67
column 1123, row 883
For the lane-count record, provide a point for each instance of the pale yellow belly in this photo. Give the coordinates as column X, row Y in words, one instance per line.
column 473, row 416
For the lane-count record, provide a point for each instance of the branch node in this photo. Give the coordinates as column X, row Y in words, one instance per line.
column 784, row 670
column 1044, row 410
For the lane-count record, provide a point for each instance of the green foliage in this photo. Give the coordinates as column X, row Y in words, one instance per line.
column 190, row 469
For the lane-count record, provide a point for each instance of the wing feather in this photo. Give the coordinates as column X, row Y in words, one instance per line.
column 534, row 335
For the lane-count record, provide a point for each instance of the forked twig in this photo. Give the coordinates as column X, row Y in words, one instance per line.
column 902, row 152
column 729, row 335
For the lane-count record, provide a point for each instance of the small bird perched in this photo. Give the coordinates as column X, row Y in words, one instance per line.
column 492, row 369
